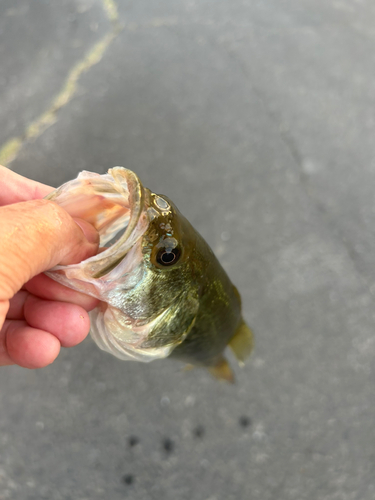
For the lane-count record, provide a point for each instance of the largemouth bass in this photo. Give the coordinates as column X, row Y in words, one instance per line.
column 162, row 291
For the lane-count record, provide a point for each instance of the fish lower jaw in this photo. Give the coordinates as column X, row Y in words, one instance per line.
column 123, row 343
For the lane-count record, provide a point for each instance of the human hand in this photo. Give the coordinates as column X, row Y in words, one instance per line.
column 38, row 315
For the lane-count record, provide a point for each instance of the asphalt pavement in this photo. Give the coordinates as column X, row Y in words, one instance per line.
column 258, row 119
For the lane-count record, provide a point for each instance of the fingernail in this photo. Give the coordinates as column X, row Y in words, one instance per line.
column 88, row 230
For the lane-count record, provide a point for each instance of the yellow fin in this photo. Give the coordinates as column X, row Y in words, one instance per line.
column 222, row 371
column 242, row 342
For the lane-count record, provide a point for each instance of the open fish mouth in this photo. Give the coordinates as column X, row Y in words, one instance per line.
column 114, row 204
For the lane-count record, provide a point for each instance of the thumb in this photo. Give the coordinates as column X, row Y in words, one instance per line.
column 37, row 235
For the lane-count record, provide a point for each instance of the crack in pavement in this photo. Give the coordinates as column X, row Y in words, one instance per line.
column 11, row 148
column 296, row 156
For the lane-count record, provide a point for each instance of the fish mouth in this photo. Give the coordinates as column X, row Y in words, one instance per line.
column 114, row 204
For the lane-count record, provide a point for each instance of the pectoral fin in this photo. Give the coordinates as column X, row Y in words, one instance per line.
column 242, row 342
column 222, row 371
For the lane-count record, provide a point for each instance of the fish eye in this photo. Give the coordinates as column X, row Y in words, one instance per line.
column 168, row 258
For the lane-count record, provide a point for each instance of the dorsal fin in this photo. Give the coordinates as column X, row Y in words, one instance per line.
column 222, row 371
column 242, row 342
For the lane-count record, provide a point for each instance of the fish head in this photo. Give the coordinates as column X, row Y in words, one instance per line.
column 162, row 302
column 142, row 274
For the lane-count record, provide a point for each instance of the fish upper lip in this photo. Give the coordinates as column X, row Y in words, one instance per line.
column 131, row 194
column 102, row 263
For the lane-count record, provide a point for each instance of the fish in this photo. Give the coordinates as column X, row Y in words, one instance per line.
column 162, row 291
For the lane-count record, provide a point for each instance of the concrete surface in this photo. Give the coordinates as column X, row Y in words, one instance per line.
column 258, row 119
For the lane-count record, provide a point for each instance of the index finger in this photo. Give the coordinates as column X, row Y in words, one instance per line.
column 15, row 188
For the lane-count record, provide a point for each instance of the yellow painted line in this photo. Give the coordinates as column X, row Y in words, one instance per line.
column 10, row 150
column 48, row 118
column 110, row 8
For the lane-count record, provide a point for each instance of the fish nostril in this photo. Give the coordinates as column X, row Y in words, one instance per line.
column 133, row 441
column 244, row 421
column 199, row 432
column 128, row 479
column 168, row 445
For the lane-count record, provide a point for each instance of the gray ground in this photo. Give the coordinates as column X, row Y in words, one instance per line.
column 258, row 119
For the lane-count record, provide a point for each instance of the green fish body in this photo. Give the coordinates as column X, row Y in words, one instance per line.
column 163, row 293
